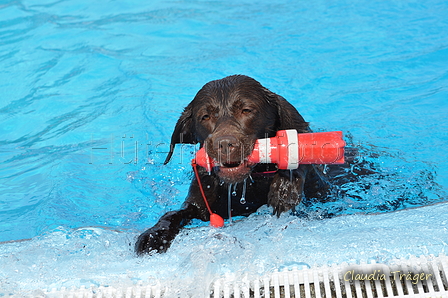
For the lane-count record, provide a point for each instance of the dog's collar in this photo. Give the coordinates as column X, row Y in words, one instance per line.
column 263, row 174
column 265, row 170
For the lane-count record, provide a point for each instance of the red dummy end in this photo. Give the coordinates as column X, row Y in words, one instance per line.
column 204, row 160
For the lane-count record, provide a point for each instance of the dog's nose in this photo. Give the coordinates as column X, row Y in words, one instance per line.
column 225, row 144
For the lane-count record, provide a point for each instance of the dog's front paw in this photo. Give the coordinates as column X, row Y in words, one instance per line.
column 155, row 239
column 285, row 193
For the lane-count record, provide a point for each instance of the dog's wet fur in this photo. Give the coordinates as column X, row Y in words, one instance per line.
column 226, row 117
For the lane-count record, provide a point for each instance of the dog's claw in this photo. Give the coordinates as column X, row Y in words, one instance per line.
column 154, row 240
column 284, row 194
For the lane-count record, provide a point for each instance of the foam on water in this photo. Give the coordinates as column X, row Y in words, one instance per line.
column 250, row 247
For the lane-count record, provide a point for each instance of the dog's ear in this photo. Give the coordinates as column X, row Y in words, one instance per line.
column 183, row 131
column 288, row 116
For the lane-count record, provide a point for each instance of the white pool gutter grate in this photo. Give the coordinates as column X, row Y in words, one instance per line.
column 422, row 277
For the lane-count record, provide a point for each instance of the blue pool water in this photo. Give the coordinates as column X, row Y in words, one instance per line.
column 91, row 92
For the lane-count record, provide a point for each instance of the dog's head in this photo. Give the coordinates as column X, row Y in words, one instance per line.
column 227, row 116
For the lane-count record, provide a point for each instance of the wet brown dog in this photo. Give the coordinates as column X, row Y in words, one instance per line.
column 227, row 116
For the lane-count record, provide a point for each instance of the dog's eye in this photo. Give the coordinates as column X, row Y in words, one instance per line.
column 205, row 118
column 246, row 111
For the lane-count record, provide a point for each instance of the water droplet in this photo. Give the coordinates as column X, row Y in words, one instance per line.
column 325, row 170
column 243, row 195
column 229, row 202
column 234, row 189
column 251, row 179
